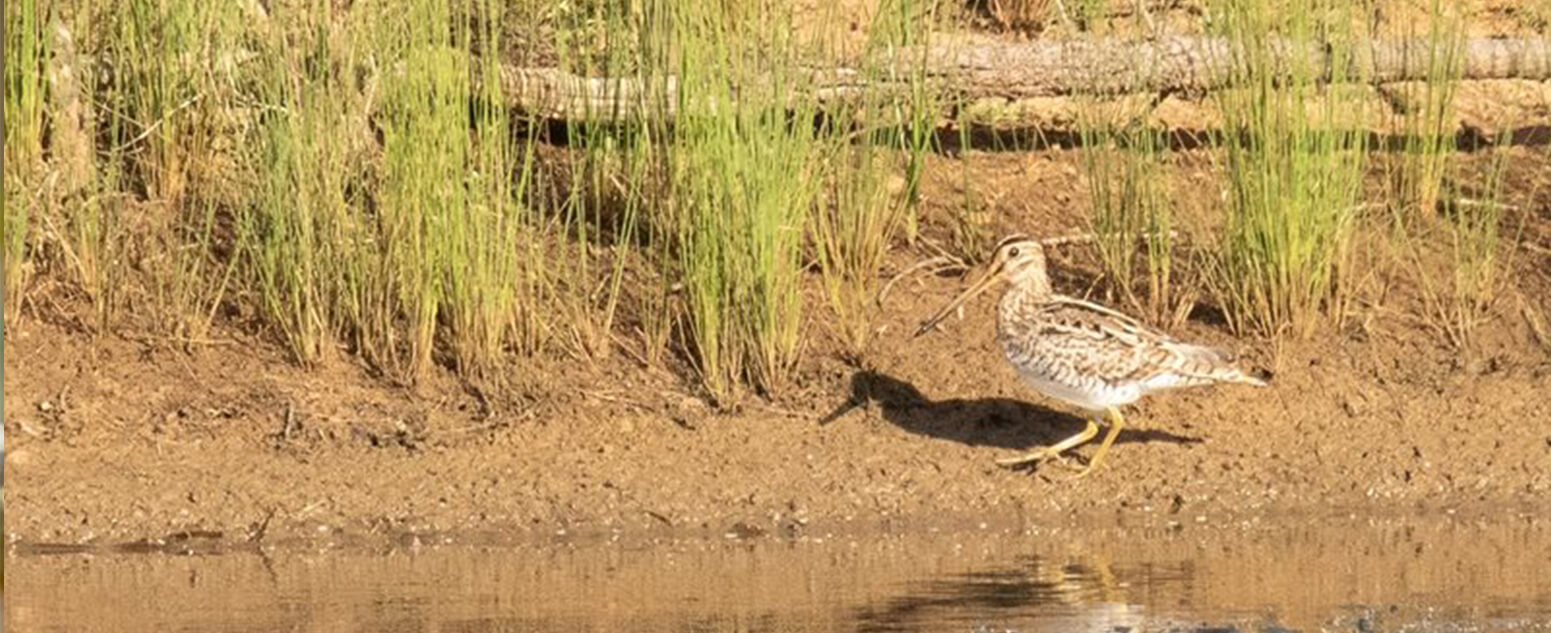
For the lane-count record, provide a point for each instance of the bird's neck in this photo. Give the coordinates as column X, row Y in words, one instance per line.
column 1030, row 289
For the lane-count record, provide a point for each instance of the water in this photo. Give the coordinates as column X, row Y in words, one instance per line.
column 1400, row 575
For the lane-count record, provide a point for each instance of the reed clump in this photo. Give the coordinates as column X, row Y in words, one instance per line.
column 348, row 180
column 1294, row 158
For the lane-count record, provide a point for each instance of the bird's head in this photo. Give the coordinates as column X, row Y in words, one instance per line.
column 1019, row 259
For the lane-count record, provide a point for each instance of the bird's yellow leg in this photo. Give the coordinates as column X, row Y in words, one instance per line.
column 1053, row 451
column 1116, row 422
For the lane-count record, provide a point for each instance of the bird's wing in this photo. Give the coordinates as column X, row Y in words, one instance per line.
column 1100, row 342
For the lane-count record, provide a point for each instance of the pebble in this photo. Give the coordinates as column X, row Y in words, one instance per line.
column 19, row 459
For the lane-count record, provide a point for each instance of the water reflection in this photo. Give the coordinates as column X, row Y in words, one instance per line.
column 1033, row 594
column 1422, row 576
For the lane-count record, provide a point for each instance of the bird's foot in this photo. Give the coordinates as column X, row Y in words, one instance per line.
column 1082, row 473
column 1090, row 464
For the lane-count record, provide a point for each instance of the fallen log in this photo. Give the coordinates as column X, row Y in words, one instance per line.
column 1040, row 69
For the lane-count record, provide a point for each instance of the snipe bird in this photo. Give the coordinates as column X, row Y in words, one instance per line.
column 1082, row 353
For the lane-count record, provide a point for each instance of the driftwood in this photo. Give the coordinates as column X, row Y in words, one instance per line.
column 1041, row 69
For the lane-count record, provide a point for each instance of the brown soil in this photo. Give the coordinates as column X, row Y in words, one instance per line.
column 123, row 438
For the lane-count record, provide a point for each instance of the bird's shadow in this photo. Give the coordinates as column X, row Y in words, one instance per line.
column 998, row 422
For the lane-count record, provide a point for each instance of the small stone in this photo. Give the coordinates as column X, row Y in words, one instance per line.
column 19, row 459
column 741, row 530
column 1353, row 407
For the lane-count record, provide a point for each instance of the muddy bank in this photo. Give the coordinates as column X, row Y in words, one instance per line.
column 121, row 436
column 124, row 437
column 117, row 440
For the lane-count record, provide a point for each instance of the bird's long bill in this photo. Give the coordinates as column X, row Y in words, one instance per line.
column 986, row 281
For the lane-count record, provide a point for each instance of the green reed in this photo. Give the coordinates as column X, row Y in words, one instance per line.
column 1295, row 157
column 25, row 51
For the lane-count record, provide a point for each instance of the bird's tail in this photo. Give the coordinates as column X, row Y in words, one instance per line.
column 1257, row 377
column 1215, row 365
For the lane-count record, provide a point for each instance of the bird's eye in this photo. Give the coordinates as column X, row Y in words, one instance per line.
column 1012, row 252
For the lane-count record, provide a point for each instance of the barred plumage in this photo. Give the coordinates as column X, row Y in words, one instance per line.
column 1082, row 353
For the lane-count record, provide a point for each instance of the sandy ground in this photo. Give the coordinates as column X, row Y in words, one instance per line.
column 123, row 438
